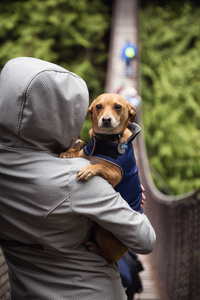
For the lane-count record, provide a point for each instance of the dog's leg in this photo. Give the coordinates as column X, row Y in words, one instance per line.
column 107, row 245
column 75, row 151
column 112, row 173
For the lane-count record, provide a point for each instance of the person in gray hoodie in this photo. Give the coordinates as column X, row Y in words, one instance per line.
column 46, row 215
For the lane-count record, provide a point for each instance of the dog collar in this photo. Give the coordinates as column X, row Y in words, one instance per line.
column 109, row 137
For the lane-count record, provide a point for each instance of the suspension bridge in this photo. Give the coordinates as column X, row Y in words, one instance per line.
column 172, row 271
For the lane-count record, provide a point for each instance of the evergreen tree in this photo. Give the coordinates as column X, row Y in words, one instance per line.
column 170, row 40
column 73, row 34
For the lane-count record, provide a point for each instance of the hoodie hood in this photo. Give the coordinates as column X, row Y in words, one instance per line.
column 42, row 105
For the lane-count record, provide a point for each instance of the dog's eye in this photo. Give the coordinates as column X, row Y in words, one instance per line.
column 98, row 106
column 118, row 106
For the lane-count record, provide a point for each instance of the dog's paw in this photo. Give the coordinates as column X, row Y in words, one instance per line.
column 85, row 173
column 66, row 155
column 91, row 246
column 63, row 155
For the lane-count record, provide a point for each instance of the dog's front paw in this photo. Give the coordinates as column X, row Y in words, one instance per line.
column 66, row 155
column 85, row 173
column 63, row 155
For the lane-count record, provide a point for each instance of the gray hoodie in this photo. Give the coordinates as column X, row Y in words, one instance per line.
column 46, row 215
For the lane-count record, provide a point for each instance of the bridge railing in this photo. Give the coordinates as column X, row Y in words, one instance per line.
column 4, row 280
column 177, row 224
column 175, row 219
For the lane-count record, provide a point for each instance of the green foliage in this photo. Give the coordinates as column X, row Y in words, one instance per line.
column 71, row 33
column 171, row 95
column 84, row 134
column 67, row 32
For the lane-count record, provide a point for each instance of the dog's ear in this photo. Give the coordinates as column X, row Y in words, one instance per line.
column 132, row 113
column 90, row 110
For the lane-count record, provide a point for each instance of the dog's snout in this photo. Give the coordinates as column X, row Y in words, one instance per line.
column 106, row 120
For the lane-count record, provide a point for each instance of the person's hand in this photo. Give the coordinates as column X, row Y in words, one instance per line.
column 143, row 195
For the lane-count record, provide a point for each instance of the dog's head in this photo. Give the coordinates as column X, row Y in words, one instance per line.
column 111, row 113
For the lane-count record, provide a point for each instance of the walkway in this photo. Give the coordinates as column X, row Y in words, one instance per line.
column 152, row 287
column 125, row 27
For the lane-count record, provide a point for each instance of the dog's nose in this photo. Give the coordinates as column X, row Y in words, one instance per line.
column 106, row 120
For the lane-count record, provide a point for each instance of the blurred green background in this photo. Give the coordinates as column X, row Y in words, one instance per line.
column 75, row 35
column 170, row 64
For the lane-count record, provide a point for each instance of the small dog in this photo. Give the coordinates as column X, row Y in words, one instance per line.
column 112, row 133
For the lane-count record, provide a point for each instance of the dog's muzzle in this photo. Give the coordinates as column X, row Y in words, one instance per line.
column 106, row 121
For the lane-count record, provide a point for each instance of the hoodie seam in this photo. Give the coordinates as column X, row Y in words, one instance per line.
column 25, row 96
column 2, row 146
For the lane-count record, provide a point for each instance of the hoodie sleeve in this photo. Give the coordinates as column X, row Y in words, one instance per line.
column 97, row 200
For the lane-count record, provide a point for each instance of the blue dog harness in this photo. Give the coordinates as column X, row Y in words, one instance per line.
column 123, row 156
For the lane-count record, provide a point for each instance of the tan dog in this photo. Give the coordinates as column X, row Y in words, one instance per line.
column 110, row 115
